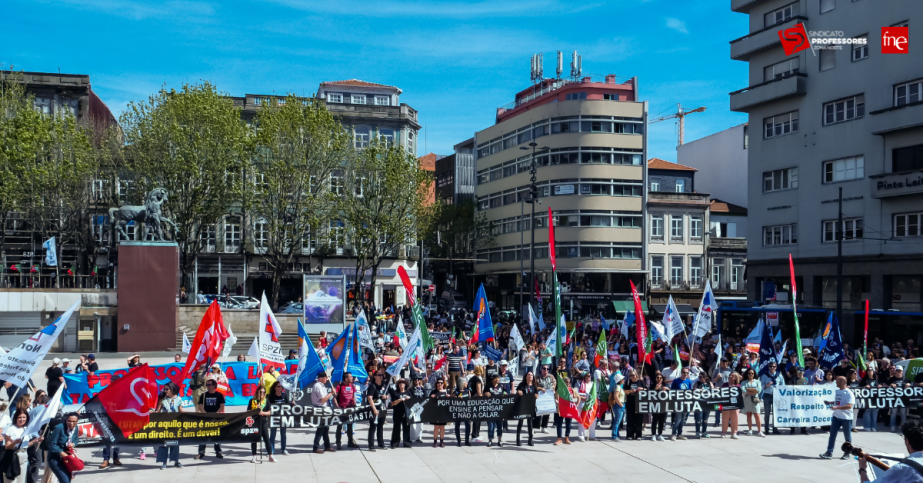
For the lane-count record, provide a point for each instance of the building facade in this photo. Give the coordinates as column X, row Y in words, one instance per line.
column 677, row 216
column 722, row 160
column 835, row 116
column 591, row 176
column 727, row 250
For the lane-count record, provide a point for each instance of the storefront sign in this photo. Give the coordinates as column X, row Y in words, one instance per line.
column 897, row 184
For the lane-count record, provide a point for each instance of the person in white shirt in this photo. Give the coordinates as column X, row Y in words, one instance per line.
column 909, row 470
column 319, row 398
column 671, row 373
column 842, row 416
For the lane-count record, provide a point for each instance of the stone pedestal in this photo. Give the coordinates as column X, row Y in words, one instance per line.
column 148, row 288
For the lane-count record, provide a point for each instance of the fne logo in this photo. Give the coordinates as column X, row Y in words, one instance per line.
column 895, row 40
column 794, row 39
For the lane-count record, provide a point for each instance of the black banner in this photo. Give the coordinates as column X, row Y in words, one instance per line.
column 442, row 338
column 688, row 400
column 486, row 408
column 298, row 416
column 888, row 397
column 176, row 428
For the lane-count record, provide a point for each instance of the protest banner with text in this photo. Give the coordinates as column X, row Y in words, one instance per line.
column 297, row 416
column 177, row 428
column 802, row 406
column 487, row 408
column 688, row 400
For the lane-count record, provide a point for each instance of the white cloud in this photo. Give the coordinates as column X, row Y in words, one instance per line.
column 677, row 25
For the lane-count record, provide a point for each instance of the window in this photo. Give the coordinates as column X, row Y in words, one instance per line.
column 655, row 184
column 827, row 5
column 43, row 105
column 656, row 270
column 680, row 186
column 610, row 97
column 357, row 99
column 260, row 233
column 359, row 186
column 695, row 227
column 335, row 98
column 783, row 69
column 657, row 227
column 908, row 93
column 676, row 227
column 676, row 271
column 336, row 184
column 844, row 169
column 695, row 270
column 100, row 189
column 781, row 124
column 231, row 237
column 524, row 136
column 779, row 15
column 335, row 235
column 382, row 100
column 780, row 179
column 852, row 231
column 100, row 228
column 717, row 269
column 844, row 109
column 575, row 96
column 362, row 136
column 827, row 59
column 907, row 159
column 780, row 235
column 737, row 268
column 124, row 188
column 860, row 49
column 66, row 107
column 208, row 237
column 907, row 224
column 746, row 136
column 387, row 135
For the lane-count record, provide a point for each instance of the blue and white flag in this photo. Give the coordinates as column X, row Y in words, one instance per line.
column 832, row 353
column 604, row 323
column 672, row 322
column 531, row 319
column 51, row 254
column 541, row 318
column 18, row 365
column 187, row 346
column 395, row 369
column 365, row 332
column 707, row 309
column 781, row 353
column 626, row 324
column 767, row 350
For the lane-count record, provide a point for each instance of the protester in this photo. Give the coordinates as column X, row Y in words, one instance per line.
column 260, row 403
column 177, row 358
column 418, row 390
column 701, row 416
column 399, row 415
column 584, row 393
column 61, row 443
column 903, row 471
column 545, row 382
column 659, row 418
column 439, row 426
column 683, row 382
column 752, row 404
column 320, row 398
column 528, row 386
column 55, row 376
column 212, row 402
column 170, row 402
column 616, row 402
column 476, row 388
column 633, row 386
column 494, row 426
column 461, row 391
column 345, row 398
column 870, row 415
column 559, row 420
column 769, row 380
column 376, row 395
column 729, row 416
column 14, row 438
column 842, row 405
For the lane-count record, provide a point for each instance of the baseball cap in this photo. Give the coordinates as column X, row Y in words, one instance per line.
column 56, row 360
column 504, row 363
column 65, row 360
column 92, row 357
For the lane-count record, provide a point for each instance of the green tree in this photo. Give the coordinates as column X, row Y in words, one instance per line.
column 462, row 231
column 193, row 143
column 299, row 145
column 385, row 207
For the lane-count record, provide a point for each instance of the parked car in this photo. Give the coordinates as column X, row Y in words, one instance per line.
column 246, row 302
column 292, row 308
column 225, row 301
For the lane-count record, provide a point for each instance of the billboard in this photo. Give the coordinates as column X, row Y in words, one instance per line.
column 324, row 299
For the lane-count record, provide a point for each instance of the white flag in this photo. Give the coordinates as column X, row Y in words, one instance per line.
column 269, row 332
column 531, row 319
column 516, row 341
column 18, row 365
column 254, row 351
column 395, row 369
column 51, row 254
column 399, row 332
column 365, row 332
column 44, row 414
column 672, row 322
column 187, row 346
column 228, row 343
column 706, row 309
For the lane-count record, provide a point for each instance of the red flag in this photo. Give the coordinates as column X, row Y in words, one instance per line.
column 407, row 285
column 440, row 363
column 206, row 347
column 538, row 294
column 32, row 269
column 551, row 239
column 641, row 325
column 124, row 407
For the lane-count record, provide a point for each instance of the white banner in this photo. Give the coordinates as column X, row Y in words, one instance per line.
column 545, row 404
column 395, row 369
column 51, row 254
column 18, row 365
column 802, row 406
column 269, row 346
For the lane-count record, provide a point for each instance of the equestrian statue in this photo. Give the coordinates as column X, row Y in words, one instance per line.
column 149, row 214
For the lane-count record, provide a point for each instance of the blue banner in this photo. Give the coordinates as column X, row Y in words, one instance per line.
column 832, row 352
column 492, row 354
column 767, row 349
column 243, row 378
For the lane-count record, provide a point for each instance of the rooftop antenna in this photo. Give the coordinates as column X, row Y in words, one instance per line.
column 573, row 65
column 560, row 68
column 579, row 65
column 541, row 66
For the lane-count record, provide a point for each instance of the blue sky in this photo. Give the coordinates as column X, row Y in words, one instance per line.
column 455, row 61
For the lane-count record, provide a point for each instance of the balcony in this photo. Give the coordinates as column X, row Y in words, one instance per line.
column 771, row 91
column 668, row 198
column 898, row 118
column 744, row 6
column 760, row 40
column 728, row 244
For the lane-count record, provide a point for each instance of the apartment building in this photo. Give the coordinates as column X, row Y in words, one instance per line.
column 843, row 114
column 587, row 139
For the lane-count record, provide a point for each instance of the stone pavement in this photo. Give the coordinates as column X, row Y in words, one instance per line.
column 775, row 458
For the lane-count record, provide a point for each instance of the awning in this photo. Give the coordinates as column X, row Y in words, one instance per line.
column 683, row 309
column 623, row 306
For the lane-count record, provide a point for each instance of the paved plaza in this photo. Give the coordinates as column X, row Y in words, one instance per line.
column 774, row 458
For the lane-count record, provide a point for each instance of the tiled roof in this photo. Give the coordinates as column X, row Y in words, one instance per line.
column 657, row 163
column 718, row 206
column 355, row 83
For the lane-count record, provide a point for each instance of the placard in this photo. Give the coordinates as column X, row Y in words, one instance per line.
column 802, row 406
column 297, row 416
column 485, row 408
column 545, row 404
column 688, row 400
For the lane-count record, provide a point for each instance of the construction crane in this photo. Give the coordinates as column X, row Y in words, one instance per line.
column 681, row 115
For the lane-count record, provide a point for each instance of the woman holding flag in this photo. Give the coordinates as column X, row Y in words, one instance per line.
column 17, row 443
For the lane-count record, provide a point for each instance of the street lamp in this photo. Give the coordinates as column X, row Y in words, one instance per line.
column 533, row 197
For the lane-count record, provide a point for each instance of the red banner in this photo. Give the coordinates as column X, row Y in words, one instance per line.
column 407, row 285
column 640, row 324
column 551, row 239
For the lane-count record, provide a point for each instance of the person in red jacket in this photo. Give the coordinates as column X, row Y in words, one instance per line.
column 346, row 398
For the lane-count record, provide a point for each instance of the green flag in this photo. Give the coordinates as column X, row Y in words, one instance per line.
column 417, row 318
column 559, row 339
column 679, row 360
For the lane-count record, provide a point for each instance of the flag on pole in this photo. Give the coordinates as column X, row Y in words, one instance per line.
column 567, row 407
column 626, row 324
column 531, row 319
column 14, row 267
column 516, row 341
column 124, row 407
column 228, row 343
column 551, row 253
column 206, row 345
column 483, row 327
column 641, row 330
column 832, row 352
column 706, row 312
column 791, row 271
column 865, row 340
column 767, row 350
column 541, row 318
column 538, row 296
column 187, row 346
column 44, row 414
column 416, row 312
column 269, row 333
column 32, row 269
column 678, row 359
column 365, row 332
column 18, row 365
column 70, row 271
column 588, row 412
column 672, row 322
column 51, row 254
column 558, row 316
column 395, row 369
column 601, row 348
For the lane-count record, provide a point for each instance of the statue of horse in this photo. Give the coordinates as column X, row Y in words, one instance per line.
column 149, row 214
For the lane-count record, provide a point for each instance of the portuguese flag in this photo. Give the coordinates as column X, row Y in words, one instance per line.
column 601, row 348
column 70, row 271
column 32, row 269
column 590, row 406
column 14, row 267
column 95, row 270
column 567, row 407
